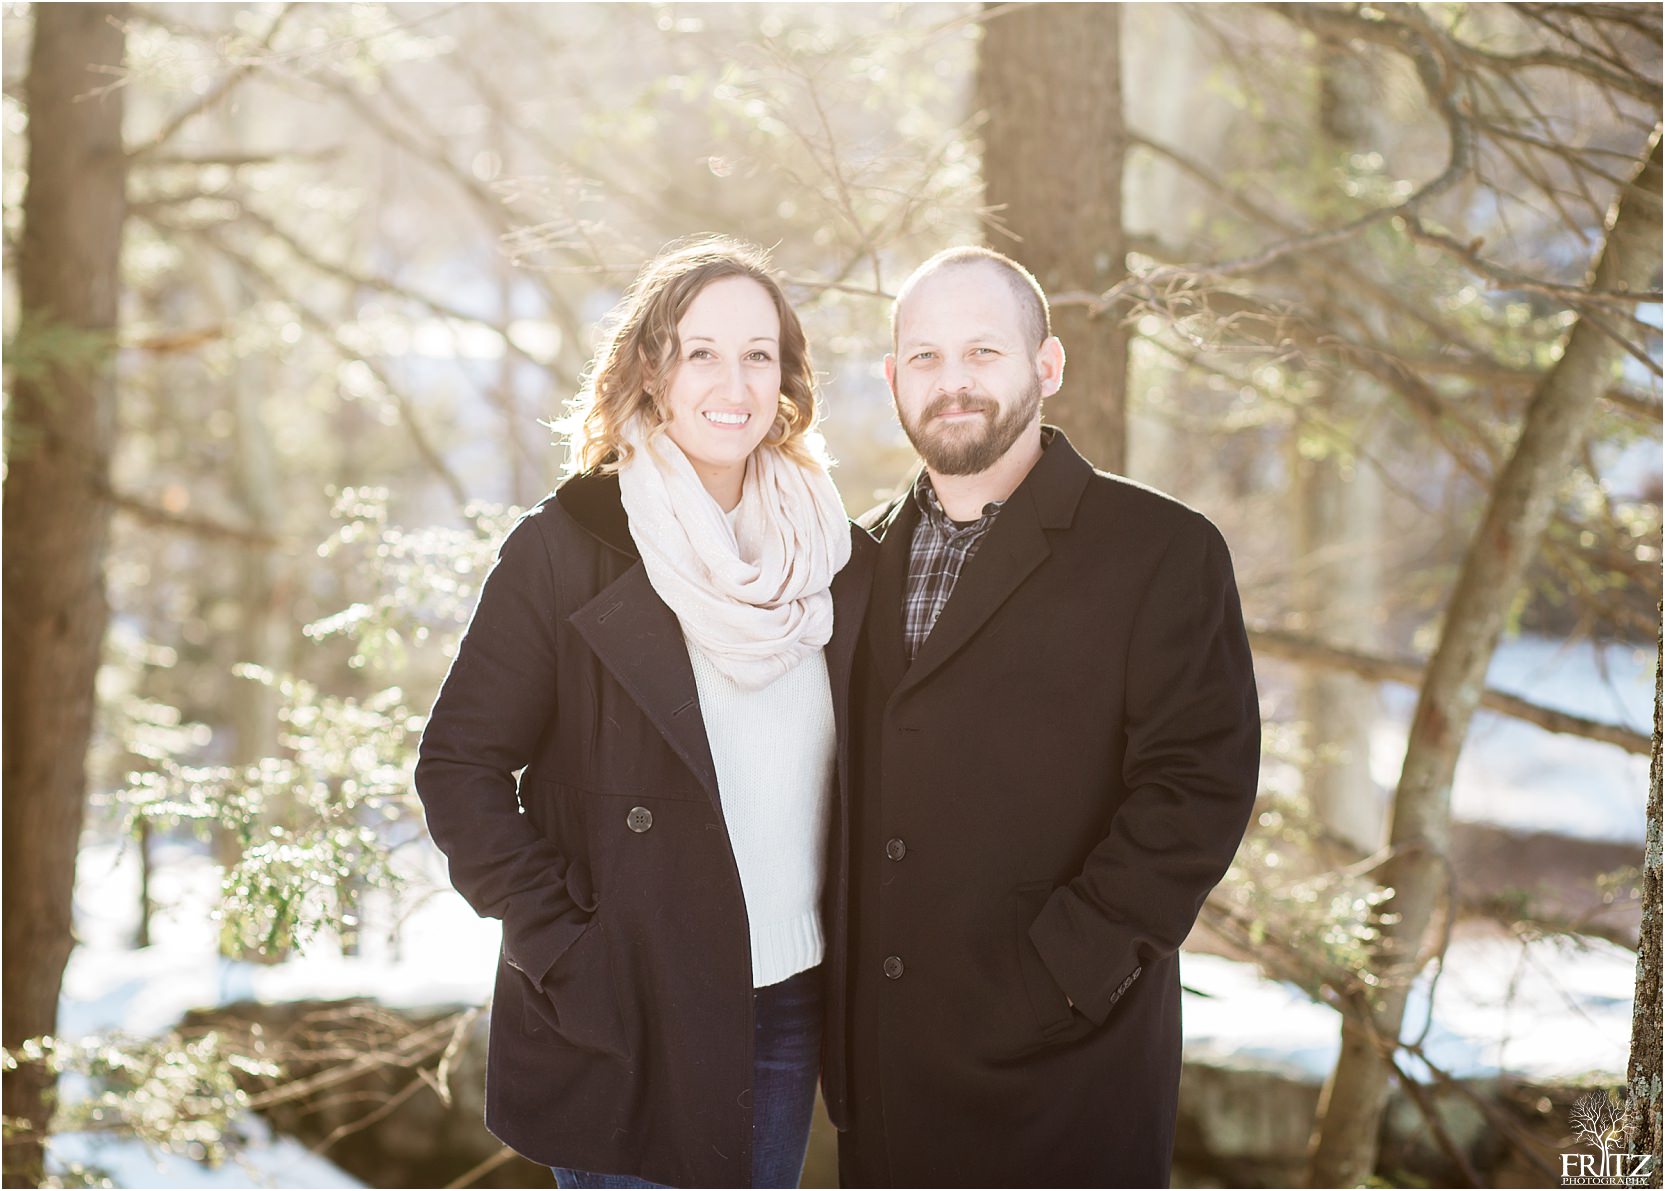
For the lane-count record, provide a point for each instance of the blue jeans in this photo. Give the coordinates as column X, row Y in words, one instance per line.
column 786, row 1062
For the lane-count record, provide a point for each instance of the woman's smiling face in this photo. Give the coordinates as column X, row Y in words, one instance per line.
column 724, row 390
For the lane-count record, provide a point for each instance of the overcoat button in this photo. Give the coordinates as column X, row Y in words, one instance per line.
column 896, row 849
column 639, row 819
column 893, row 966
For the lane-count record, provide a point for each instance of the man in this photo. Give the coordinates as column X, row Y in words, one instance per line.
column 1057, row 749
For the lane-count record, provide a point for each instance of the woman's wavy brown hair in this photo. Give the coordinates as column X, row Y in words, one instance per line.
column 630, row 372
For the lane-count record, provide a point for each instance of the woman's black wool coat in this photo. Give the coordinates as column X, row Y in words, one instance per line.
column 621, row 1024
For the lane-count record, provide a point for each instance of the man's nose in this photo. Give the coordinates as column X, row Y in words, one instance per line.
column 954, row 377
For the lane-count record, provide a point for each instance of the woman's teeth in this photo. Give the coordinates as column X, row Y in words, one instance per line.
column 726, row 419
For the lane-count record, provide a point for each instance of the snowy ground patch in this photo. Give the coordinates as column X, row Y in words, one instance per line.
column 1513, row 774
column 1551, row 1009
column 440, row 954
column 263, row 1161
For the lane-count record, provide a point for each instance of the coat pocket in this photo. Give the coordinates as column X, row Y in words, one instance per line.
column 1049, row 1006
column 579, row 1005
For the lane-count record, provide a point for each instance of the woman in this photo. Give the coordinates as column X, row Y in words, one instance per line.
column 663, row 651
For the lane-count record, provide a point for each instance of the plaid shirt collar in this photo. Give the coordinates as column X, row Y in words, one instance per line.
column 938, row 552
column 930, row 507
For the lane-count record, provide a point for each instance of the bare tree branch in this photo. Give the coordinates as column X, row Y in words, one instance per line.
column 425, row 446
column 480, row 1170
column 216, row 93
column 149, row 513
column 1576, row 296
column 1410, row 672
column 157, row 161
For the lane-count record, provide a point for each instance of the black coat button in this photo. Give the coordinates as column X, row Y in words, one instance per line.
column 896, row 849
column 893, row 966
column 639, row 819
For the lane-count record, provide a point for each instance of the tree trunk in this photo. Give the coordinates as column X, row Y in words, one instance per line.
column 1046, row 70
column 259, row 635
column 1337, row 516
column 56, row 522
column 147, row 905
column 1519, row 508
column 1642, row 1102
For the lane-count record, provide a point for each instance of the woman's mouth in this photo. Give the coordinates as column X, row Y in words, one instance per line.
column 719, row 417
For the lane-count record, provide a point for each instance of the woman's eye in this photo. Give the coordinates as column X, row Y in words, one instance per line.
column 700, row 353
column 760, row 357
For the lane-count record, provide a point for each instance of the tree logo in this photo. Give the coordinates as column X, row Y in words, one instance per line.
column 1598, row 1121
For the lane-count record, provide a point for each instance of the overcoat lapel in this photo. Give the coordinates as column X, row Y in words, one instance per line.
column 1014, row 547
column 849, row 591
column 890, row 579
column 637, row 637
column 1016, row 544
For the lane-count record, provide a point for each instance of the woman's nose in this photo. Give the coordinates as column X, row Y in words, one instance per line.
column 730, row 383
column 733, row 383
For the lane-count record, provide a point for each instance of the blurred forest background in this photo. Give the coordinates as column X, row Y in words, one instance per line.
column 291, row 291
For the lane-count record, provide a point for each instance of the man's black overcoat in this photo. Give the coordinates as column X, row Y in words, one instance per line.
column 621, row 1024
column 1045, row 796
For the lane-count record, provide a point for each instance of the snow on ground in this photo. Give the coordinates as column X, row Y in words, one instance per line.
column 1239, row 1018
column 1555, row 1010
column 265, row 1161
column 1513, row 774
column 444, row 955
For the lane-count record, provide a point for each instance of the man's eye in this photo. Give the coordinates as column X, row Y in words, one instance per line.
column 923, row 357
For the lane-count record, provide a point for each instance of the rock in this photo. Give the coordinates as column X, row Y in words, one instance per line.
column 361, row 1085
column 1248, row 1125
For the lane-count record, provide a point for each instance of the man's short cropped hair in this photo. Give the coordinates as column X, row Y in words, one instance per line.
column 1031, row 298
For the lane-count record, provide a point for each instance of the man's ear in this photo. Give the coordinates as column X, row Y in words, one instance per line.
column 890, row 373
column 1049, row 366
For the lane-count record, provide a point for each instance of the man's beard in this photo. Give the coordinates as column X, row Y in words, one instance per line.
column 967, row 449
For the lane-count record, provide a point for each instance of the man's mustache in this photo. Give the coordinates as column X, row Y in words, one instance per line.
column 963, row 403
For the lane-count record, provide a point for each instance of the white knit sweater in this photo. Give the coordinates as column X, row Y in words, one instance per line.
column 775, row 750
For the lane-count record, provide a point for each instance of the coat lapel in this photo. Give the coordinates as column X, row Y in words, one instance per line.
column 850, row 590
column 637, row 637
column 890, row 580
column 1014, row 547
column 1016, row 544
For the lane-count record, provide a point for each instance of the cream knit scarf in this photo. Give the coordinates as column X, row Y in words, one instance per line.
column 755, row 598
